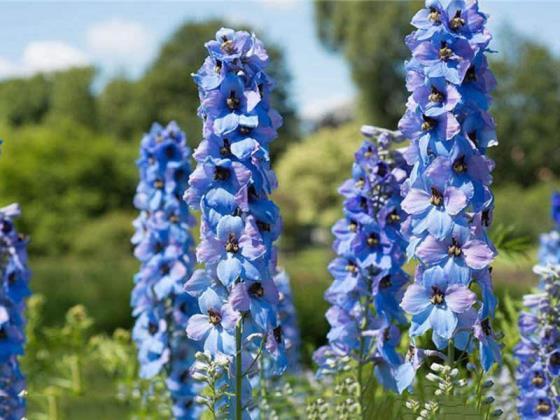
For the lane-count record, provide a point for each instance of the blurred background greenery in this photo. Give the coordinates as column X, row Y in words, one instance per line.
column 69, row 155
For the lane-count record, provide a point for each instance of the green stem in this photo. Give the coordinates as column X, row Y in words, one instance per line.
column 450, row 353
column 238, row 370
column 52, row 406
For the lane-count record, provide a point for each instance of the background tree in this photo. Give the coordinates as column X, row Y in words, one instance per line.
column 525, row 107
column 72, row 97
column 369, row 34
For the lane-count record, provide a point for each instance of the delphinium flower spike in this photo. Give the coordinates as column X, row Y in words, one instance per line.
column 448, row 196
column 231, row 185
column 14, row 288
column 538, row 352
column 368, row 276
column 164, row 246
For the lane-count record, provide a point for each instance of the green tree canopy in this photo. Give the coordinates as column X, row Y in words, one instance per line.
column 370, row 34
column 63, row 174
column 525, row 107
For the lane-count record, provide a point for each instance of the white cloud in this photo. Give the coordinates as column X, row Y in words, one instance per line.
column 280, row 4
column 121, row 40
column 316, row 109
column 46, row 56
column 43, row 56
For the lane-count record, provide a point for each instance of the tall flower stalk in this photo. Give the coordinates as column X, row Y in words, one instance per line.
column 164, row 246
column 238, row 321
column 448, row 196
column 367, row 271
column 14, row 289
column 538, row 352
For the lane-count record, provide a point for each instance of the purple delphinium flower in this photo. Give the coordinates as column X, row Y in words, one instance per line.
column 448, row 197
column 239, row 223
column 538, row 351
column 14, row 289
column 164, row 246
column 368, row 280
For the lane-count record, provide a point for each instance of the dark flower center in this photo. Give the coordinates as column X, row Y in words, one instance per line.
column 221, row 174
column 470, row 76
column 214, row 317
column 436, row 96
column 381, row 169
column 158, row 183
column 544, row 407
column 393, row 217
column 165, row 269
column 184, row 376
column 457, row 22
column 174, row 218
column 373, row 240
column 438, row 297
column 445, row 52
column 351, row 267
column 232, row 101
column 360, row 183
column 261, row 89
column 538, row 379
column 486, row 327
column 232, row 245
column 363, row 203
column 12, row 278
column 152, row 328
column 555, row 359
column 256, row 289
column 428, row 124
column 263, row 227
column 244, row 129
column 368, row 153
column 225, row 149
column 352, row 226
column 385, row 282
column 434, row 16
column 227, row 45
column 218, row 67
column 437, row 197
column 277, row 332
column 460, row 165
column 454, row 249
column 169, row 151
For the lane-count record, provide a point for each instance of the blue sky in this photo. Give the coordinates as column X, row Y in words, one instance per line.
column 122, row 37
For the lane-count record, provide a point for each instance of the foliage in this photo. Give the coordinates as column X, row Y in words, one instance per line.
column 63, row 175
column 369, row 35
column 522, row 105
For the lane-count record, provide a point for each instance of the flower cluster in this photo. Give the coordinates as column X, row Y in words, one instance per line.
column 14, row 288
column 370, row 251
column 448, row 196
column 231, row 184
column 164, row 246
column 538, row 351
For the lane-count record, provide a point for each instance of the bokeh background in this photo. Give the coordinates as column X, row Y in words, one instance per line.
column 81, row 82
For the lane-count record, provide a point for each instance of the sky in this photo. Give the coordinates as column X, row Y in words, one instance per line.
column 121, row 38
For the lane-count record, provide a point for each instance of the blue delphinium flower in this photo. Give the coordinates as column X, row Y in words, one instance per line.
column 368, row 280
column 14, row 289
column 448, row 197
column 164, row 246
column 237, row 295
column 538, row 351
